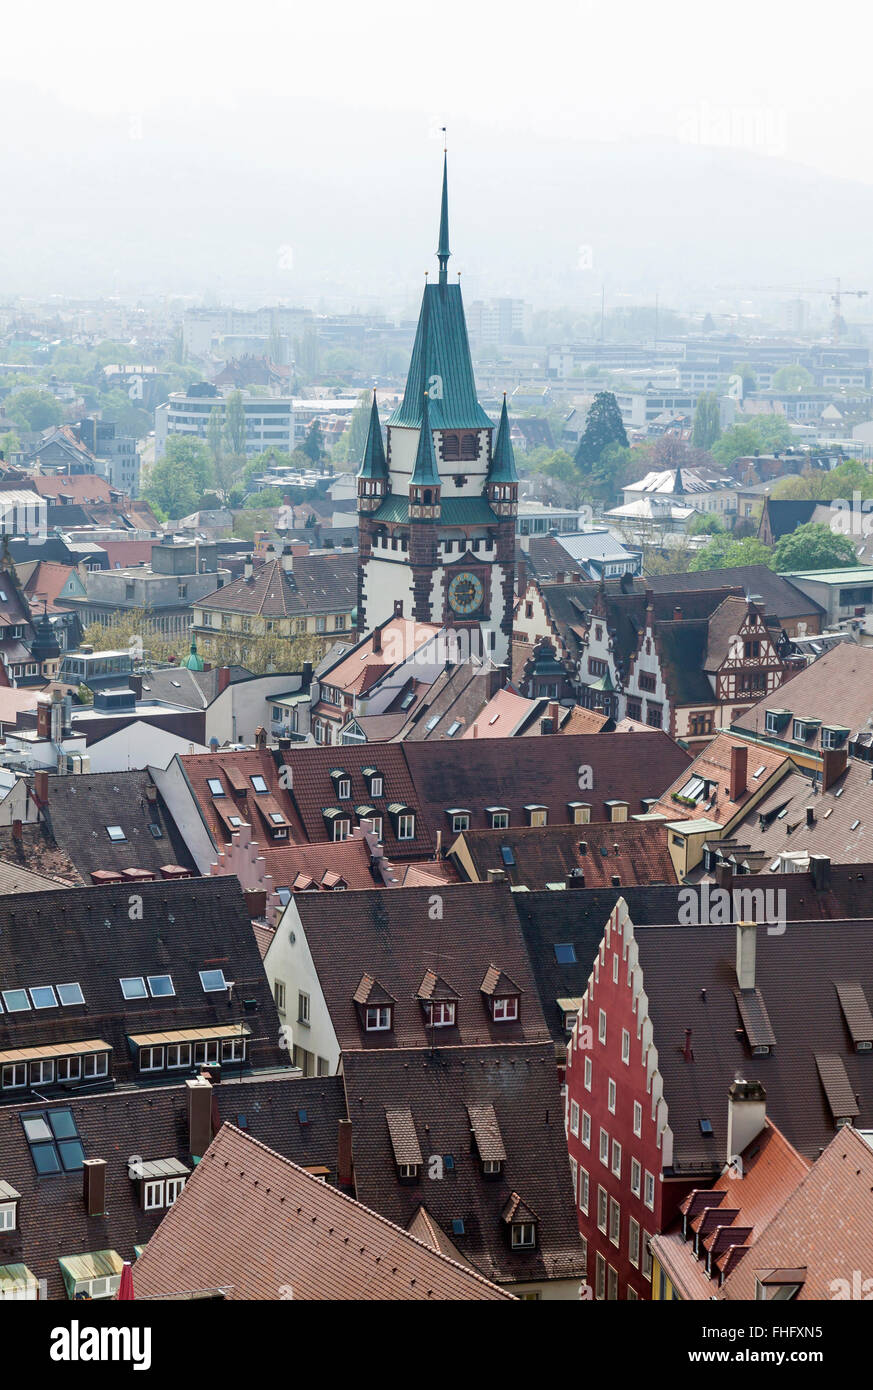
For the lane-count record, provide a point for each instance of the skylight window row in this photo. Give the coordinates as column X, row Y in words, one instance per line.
column 17, row 1001
column 139, row 987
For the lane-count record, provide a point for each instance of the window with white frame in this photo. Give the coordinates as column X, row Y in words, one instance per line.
column 616, row 1158
column 377, row 1020
column 179, row 1055
column 633, row 1243
column 279, row 995
column 153, row 1195
column 615, row 967
column 174, row 1187
column 614, row 1222
column 206, row 1053
column 341, row 829
column 41, row 1073
column 7, row 1216
column 638, row 1119
column 574, row 1174
column 406, row 827
column 625, row 1047
column 375, row 786
column 574, row 1117
column 505, row 1010
column 586, row 1129
column 14, row 1075
column 604, row 1148
column 649, row 1191
column 612, row 1284
column 602, row 1209
column 233, row 1050
column 302, row 1007
column 584, row 1182
column 647, row 1258
column 600, row 1277
column 460, row 822
column 69, row 1068
column 601, row 1026
column 95, row 1064
column 440, row 1013
column 610, row 1096
column 151, row 1059
column 524, row 1235
column 636, row 1176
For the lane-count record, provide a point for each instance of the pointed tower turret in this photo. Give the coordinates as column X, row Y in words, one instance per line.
column 443, row 251
column 501, row 487
column 373, row 472
column 424, row 485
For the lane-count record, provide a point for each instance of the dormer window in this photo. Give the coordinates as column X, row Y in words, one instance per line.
column 580, row 812
column 537, row 815
column 404, row 1142
column 378, row 1020
column 502, row 995
column 342, row 783
column 486, row 1139
column 524, row 1235
column 492, row 1168
column 460, row 819
column 499, row 817
column 441, row 1014
column 403, row 820
column 9, row 1200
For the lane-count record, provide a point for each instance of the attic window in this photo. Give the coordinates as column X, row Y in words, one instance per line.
column 214, row 785
column 524, row 1235
column 71, row 994
column 441, row 1013
column 115, row 833
column 377, row 1019
column 54, row 1142
column 565, row 953
column 155, row 831
column 259, row 784
column 133, row 987
column 536, row 814
column 44, row 997
column 160, row 986
column 432, row 722
column 16, row 1001
column 212, row 981
column 505, row 1010
column 453, row 728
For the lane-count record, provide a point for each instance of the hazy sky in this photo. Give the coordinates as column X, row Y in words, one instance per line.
column 310, row 133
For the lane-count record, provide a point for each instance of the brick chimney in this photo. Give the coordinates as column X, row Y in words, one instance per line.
column 43, row 718
column 94, row 1186
column 833, row 765
column 344, row 1162
column 677, row 614
column 739, row 770
column 747, row 1114
column 724, row 874
column 223, row 678
column 377, row 639
column 41, row 787
column 16, row 830
column 560, row 576
column 746, row 942
column 820, row 868
column 199, row 1090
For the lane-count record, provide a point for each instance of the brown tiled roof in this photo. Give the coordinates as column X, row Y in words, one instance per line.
column 395, row 938
column 837, row 689
column 582, row 721
column 823, row 1231
column 486, row 1132
column 259, row 1226
column 88, row 935
column 497, row 984
column 516, row 773
column 634, row 851
column 440, row 1089
column 45, row 582
column 152, row 1123
column 37, row 851
column 370, row 991
column 80, row 808
column 842, row 825
column 689, row 976
column 713, row 765
column 404, row 1140
column 326, row 582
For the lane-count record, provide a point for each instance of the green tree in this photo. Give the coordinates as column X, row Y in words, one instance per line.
column 813, row 546
column 603, row 428
column 215, row 438
column 723, row 552
column 793, row 378
column 34, row 410
column 9, row 443
column 313, row 446
column 235, row 423
column 707, row 423
column 761, row 434
column 705, row 524
column 181, row 476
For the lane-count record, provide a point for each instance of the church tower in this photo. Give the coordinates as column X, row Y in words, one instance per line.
column 437, row 507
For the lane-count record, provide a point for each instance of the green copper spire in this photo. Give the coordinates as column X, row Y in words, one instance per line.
column 425, row 472
column 373, row 463
column 192, row 662
column 443, row 251
column 502, row 468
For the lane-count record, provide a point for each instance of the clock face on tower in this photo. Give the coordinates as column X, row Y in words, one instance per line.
column 466, row 593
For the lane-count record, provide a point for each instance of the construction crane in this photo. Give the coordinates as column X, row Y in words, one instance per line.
column 836, row 296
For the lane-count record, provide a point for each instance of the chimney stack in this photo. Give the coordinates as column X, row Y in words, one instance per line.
column 576, row 878
column 677, row 614
column 287, row 559
column 739, row 770
column 724, row 874
column 377, row 639
column 249, row 570
column 344, row 1163
column 496, row 875
column 94, row 1186
column 43, row 718
column 546, row 726
column 560, row 577
column 41, row 787
column 747, row 1114
column 223, row 678
column 810, row 815
column 199, row 1115
column 16, row 830
column 398, row 608
column 833, row 765
column 820, row 868
column 746, row 941
column 554, row 708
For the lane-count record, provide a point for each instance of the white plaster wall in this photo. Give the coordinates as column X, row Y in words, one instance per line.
column 292, row 963
column 138, row 745
column 173, row 786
